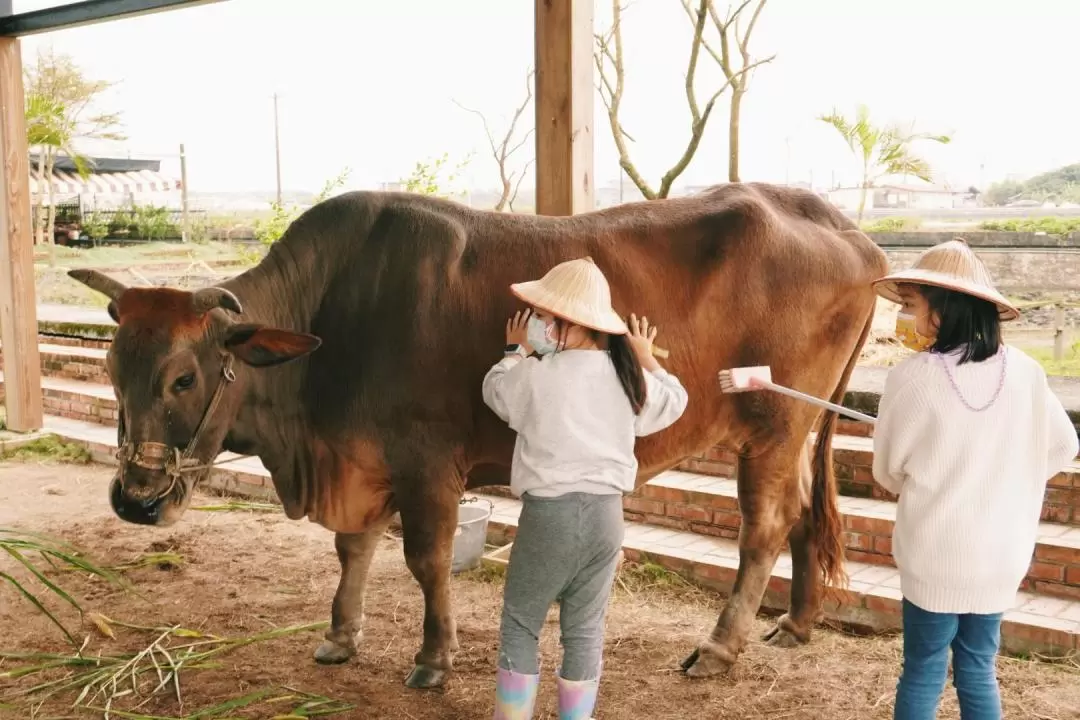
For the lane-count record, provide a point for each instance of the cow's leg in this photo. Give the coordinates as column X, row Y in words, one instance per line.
column 793, row 627
column 347, row 613
column 769, row 504
column 428, row 521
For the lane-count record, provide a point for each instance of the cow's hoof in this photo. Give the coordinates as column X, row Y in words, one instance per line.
column 784, row 634
column 330, row 653
column 424, row 677
column 703, row 663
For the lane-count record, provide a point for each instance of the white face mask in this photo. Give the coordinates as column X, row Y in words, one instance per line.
column 541, row 335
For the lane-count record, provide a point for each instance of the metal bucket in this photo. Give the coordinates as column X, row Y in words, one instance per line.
column 471, row 534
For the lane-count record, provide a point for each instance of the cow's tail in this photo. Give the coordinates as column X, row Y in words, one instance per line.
column 827, row 525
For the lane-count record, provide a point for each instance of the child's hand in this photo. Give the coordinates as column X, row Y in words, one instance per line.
column 516, row 333
column 641, row 340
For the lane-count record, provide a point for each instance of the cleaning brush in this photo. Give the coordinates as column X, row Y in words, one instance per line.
column 747, row 379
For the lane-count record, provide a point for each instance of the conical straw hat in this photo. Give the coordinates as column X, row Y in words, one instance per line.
column 952, row 265
column 576, row 291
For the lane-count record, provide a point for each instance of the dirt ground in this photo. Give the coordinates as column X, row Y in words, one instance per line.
column 246, row 572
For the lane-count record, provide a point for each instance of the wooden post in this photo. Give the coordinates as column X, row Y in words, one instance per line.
column 18, row 304
column 564, row 106
column 185, row 233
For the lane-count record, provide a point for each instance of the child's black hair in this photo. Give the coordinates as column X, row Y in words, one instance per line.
column 967, row 323
column 627, row 366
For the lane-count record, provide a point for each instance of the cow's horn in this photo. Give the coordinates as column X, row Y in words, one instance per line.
column 99, row 281
column 207, row 299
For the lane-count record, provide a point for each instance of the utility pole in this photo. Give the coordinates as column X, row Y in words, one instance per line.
column 277, row 150
column 185, row 232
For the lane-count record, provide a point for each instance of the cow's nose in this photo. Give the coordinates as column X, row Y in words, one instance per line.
column 142, row 511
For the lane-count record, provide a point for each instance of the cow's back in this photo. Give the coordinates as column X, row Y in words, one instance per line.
column 415, row 314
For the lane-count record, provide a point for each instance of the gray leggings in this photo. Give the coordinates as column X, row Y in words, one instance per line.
column 566, row 549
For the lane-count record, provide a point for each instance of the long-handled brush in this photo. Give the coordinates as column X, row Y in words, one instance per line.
column 746, row 379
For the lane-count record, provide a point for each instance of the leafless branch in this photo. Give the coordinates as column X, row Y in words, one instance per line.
column 503, row 149
column 608, row 57
column 731, row 33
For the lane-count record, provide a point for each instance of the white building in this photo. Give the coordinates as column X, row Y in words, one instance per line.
column 902, row 197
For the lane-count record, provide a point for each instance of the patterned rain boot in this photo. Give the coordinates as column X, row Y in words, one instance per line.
column 515, row 695
column 577, row 699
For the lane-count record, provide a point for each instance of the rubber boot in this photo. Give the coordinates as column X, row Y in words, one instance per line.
column 577, row 699
column 515, row 695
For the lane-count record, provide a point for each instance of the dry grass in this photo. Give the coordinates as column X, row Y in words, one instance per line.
column 247, row 573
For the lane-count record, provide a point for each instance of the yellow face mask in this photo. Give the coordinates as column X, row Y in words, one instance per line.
column 908, row 336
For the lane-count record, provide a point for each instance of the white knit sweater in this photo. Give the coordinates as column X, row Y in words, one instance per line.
column 575, row 425
column 970, row 483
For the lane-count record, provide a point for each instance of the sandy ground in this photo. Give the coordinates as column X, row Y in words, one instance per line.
column 246, row 572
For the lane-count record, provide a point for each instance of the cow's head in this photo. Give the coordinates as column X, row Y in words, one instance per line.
column 176, row 364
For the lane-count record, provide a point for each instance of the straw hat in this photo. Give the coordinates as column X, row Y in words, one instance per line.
column 952, row 265
column 576, row 291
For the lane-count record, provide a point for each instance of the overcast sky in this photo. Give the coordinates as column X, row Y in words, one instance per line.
column 370, row 84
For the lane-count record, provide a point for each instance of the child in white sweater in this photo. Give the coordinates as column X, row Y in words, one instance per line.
column 968, row 435
column 577, row 410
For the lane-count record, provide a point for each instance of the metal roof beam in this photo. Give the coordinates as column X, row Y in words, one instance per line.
column 86, row 12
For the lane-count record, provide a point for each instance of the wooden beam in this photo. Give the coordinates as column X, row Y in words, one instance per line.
column 86, row 12
column 18, row 304
column 564, row 106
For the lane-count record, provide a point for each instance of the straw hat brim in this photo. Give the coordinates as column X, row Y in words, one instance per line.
column 887, row 287
column 535, row 294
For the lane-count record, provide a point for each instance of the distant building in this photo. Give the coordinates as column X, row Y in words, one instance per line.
column 112, row 182
column 902, row 197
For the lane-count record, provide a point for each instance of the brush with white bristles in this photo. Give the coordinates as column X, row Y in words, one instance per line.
column 746, row 379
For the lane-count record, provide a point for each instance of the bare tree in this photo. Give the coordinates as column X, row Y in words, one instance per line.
column 501, row 150
column 736, row 70
column 612, row 85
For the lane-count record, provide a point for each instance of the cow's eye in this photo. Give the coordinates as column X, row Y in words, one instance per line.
column 184, row 382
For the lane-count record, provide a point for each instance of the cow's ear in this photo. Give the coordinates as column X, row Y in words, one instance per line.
column 262, row 346
column 114, row 312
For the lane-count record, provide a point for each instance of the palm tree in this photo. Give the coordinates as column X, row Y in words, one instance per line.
column 883, row 151
column 49, row 131
column 58, row 100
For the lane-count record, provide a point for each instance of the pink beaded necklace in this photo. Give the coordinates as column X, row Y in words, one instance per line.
column 956, row 388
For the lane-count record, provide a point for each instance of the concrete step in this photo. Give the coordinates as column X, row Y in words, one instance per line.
column 1038, row 623
column 76, row 399
column 853, row 459
column 709, row 506
column 65, row 358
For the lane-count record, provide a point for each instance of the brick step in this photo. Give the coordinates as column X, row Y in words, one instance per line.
column 76, row 399
column 709, row 506
column 853, row 460
column 852, row 456
column 1036, row 624
column 71, row 361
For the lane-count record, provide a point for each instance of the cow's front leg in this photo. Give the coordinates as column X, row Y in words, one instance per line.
column 428, row 521
column 354, row 552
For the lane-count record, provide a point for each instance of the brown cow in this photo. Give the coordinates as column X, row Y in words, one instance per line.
column 408, row 296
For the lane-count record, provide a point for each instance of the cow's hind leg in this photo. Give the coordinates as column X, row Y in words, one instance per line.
column 769, row 504
column 793, row 627
column 354, row 552
column 428, row 521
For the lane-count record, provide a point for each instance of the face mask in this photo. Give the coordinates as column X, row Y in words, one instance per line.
column 908, row 336
column 540, row 335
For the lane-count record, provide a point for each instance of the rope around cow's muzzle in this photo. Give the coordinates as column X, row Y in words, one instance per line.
column 159, row 457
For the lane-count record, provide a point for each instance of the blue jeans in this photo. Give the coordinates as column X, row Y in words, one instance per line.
column 974, row 640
